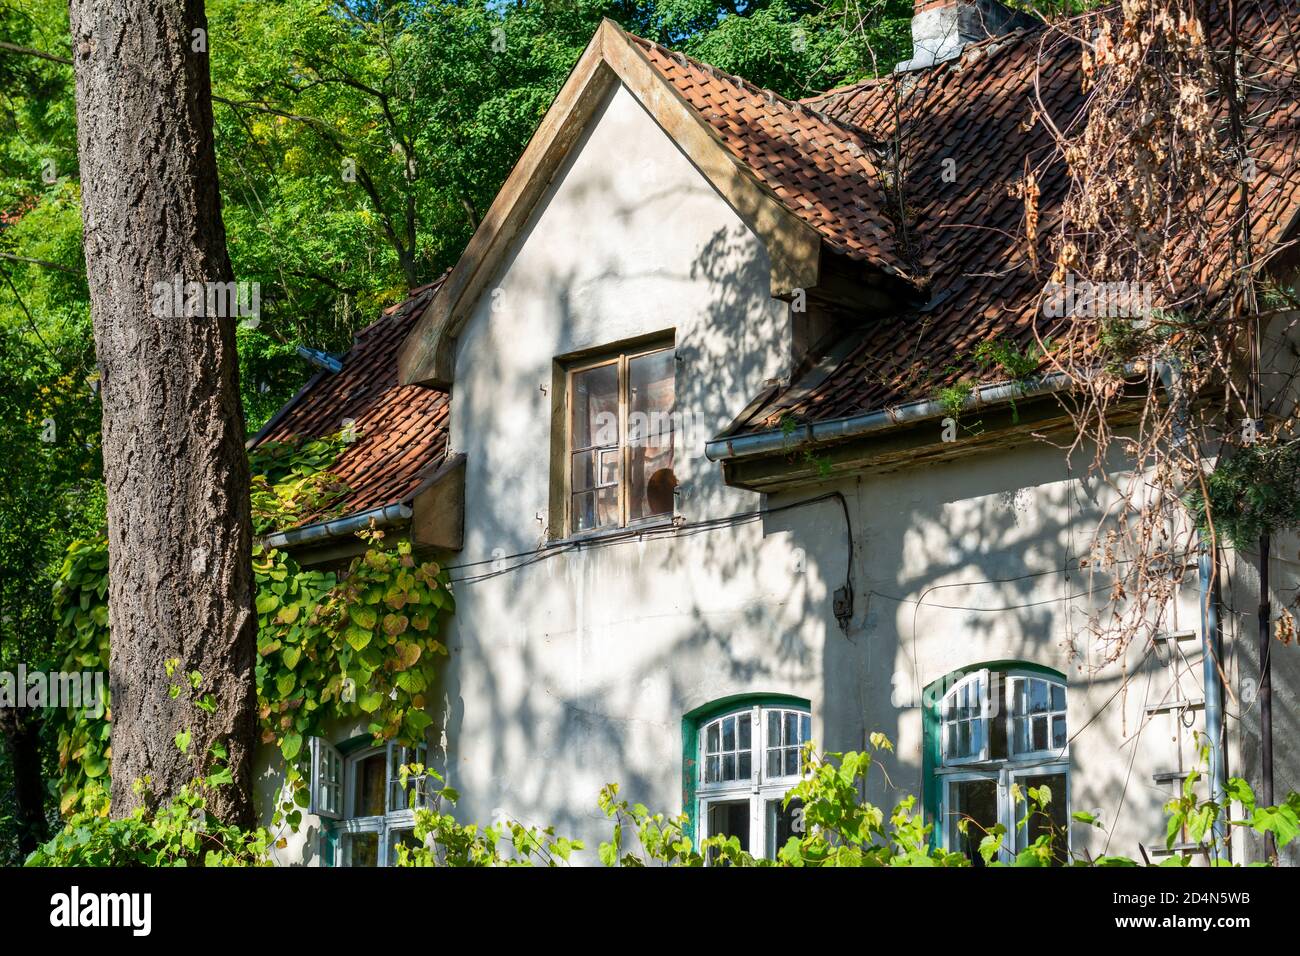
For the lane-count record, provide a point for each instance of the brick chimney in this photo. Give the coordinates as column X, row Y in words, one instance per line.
column 942, row 28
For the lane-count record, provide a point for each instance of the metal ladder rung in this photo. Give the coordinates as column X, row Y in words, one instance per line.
column 1171, row 776
column 1191, row 703
column 1160, row 849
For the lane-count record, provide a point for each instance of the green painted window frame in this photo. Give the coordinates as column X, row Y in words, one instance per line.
column 694, row 720
column 932, row 736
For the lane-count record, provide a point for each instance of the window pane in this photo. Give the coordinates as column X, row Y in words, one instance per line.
column 1019, row 698
column 774, row 763
column 1020, row 734
column 361, row 849
column 791, row 728
column 729, row 734
column 805, row 728
column 1040, row 733
column 729, row 767
column 1038, row 696
column 791, row 762
column 584, row 470
column 745, row 728
column 1058, row 732
column 745, row 766
column 595, row 509
column 370, row 782
column 774, row 728
column 977, row 802
column 650, row 435
column 1054, row 819
column 405, row 837
column 729, row 819
column 711, row 737
column 595, row 407
column 608, row 467
column 783, row 823
column 997, row 727
column 711, row 770
column 1058, row 697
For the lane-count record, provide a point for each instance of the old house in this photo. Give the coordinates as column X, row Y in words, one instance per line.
column 674, row 422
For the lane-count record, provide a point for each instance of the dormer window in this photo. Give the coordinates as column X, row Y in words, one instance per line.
column 621, row 440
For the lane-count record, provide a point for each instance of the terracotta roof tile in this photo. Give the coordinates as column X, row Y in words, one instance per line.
column 402, row 429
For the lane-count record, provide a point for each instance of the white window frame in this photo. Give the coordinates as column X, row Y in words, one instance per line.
column 978, row 678
column 388, row 824
column 760, row 789
column 1008, row 770
column 326, row 781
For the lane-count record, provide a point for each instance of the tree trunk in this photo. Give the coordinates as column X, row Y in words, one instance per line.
column 21, row 732
column 180, row 568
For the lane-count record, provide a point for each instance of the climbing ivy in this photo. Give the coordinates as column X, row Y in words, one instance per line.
column 291, row 481
column 363, row 642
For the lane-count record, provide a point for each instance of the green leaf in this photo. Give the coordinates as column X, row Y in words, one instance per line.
column 220, row 778
column 291, row 746
column 359, row 638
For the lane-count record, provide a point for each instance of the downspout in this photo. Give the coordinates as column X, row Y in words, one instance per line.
column 383, row 517
column 1171, row 376
column 1212, row 664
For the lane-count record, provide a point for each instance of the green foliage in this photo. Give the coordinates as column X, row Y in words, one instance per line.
column 953, row 397
column 441, row 841
column 180, row 833
column 1016, row 364
column 329, row 645
column 1253, row 492
column 291, row 481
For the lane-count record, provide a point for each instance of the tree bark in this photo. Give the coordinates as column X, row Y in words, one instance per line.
column 180, row 567
column 21, row 733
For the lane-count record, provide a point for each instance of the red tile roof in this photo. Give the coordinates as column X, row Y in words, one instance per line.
column 828, row 173
column 402, row 429
column 968, row 234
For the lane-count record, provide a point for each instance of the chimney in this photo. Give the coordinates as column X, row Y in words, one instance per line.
column 942, row 28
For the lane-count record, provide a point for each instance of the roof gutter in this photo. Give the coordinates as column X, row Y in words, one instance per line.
column 383, row 517
column 816, row 433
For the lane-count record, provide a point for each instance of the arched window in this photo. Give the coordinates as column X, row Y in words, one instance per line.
column 1001, row 728
column 361, row 791
column 747, row 760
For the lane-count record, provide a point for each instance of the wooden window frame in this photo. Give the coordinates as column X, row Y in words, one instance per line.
column 622, row 359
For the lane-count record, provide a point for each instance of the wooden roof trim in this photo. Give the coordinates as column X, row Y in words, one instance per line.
column 428, row 355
